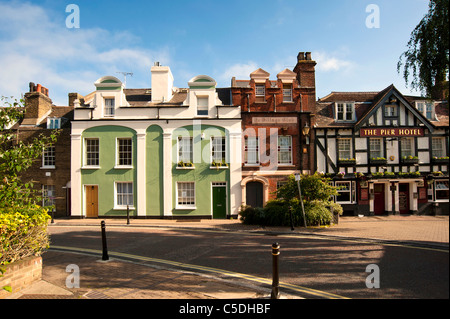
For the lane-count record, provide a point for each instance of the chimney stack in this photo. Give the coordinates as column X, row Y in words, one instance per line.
column 162, row 83
column 37, row 104
column 305, row 70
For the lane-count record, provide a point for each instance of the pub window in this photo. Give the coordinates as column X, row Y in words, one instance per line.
column 441, row 190
column 390, row 110
column 437, row 147
column 406, row 147
column 346, row 191
column 376, row 149
column 345, row 111
column 344, row 148
column 427, row 109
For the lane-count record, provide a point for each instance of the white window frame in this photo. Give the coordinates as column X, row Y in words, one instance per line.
column 437, row 151
column 48, row 199
column 181, row 142
column 185, row 201
column 427, row 109
column 109, row 110
column 346, row 109
column 284, row 149
column 86, row 152
column 372, row 146
column 287, row 92
column 339, row 146
column 436, row 189
column 260, row 93
column 48, row 157
column 351, row 192
column 202, row 107
column 253, row 149
column 218, row 156
column 118, row 157
column 406, row 147
column 390, row 110
column 53, row 123
column 117, row 194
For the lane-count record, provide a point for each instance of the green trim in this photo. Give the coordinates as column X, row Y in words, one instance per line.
column 108, row 88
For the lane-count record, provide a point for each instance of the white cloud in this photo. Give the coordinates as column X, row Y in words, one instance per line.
column 239, row 70
column 36, row 46
column 330, row 62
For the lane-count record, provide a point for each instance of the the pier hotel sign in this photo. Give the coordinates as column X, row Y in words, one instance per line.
column 381, row 132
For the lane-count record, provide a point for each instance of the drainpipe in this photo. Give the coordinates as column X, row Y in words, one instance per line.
column 248, row 102
column 274, row 103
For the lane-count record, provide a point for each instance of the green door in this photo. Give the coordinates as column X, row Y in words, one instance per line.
column 219, row 194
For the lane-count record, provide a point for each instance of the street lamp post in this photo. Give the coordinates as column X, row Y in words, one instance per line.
column 297, row 178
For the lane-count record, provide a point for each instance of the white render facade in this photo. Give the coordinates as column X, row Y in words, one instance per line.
column 162, row 152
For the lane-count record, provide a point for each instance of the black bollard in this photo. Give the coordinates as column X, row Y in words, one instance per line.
column 275, row 281
column 105, row 249
column 128, row 215
column 292, row 220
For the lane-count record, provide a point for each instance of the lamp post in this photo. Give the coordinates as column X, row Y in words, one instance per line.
column 297, row 178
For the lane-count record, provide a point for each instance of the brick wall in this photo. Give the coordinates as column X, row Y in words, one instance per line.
column 21, row 274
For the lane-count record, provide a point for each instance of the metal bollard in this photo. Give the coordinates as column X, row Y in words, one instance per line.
column 128, row 215
column 275, row 280
column 105, row 249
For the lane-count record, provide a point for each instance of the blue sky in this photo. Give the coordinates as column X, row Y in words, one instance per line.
column 217, row 38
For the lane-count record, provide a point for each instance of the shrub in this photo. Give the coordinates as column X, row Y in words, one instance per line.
column 23, row 233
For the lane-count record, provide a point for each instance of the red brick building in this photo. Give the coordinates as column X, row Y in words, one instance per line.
column 50, row 173
column 277, row 115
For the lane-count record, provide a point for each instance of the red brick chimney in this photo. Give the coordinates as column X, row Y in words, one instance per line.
column 37, row 104
column 305, row 69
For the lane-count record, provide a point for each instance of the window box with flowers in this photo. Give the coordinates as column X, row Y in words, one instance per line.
column 185, row 165
column 410, row 160
column 346, row 161
column 218, row 165
column 440, row 160
column 378, row 161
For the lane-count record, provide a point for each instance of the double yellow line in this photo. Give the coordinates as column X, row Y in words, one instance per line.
column 303, row 290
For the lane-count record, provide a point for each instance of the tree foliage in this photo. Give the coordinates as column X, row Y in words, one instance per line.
column 426, row 61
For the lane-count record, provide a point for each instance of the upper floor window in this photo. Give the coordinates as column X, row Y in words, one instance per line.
column 125, row 152
column 218, row 150
column 287, row 92
column 53, row 123
column 344, row 148
column 427, row 109
column 406, row 147
column 345, row 111
column 109, row 107
column 437, row 147
column 260, row 93
column 390, row 110
column 376, row 149
column 48, row 157
column 185, row 153
column 202, row 106
column 92, row 152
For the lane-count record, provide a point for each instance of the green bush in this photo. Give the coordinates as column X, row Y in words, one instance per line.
column 23, row 233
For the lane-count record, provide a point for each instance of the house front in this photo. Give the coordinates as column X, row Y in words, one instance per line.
column 160, row 152
column 388, row 153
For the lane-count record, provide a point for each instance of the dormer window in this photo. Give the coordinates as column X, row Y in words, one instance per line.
column 427, row 109
column 345, row 111
column 202, row 106
column 260, row 93
column 109, row 107
column 53, row 123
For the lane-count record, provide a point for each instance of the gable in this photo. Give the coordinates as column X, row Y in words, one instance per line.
column 390, row 99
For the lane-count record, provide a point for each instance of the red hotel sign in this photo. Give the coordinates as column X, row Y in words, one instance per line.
column 391, row 132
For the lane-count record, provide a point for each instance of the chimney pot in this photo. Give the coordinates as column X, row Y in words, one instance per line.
column 301, row 56
column 308, row 56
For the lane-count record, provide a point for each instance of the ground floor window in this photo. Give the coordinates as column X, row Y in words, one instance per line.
column 48, row 195
column 347, row 192
column 441, row 190
column 185, row 195
column 124, row 195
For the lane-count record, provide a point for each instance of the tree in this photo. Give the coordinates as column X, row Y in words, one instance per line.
column 426, row 62
column 17, row 156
